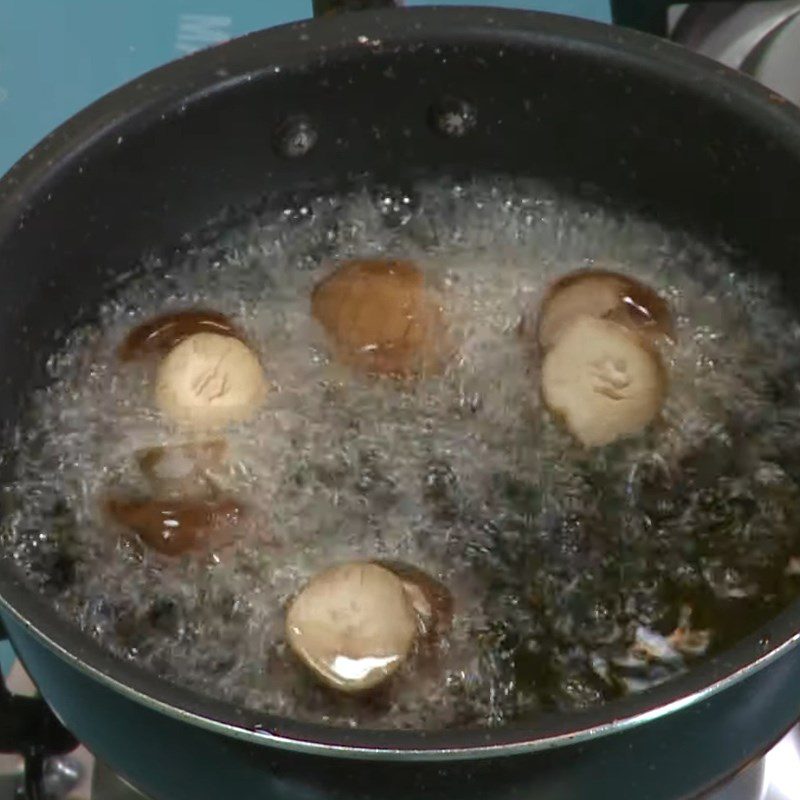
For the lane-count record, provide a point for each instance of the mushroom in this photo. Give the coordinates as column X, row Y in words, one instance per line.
column 602, row 380
column 174, row 527
column 430, row 599
column 688, row 640
column 182, row 469
column 353, row 625
column 602, row 294
column 381, row 318
column 210, row 380
column 157, row 336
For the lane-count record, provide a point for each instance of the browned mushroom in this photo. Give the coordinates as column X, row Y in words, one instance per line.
column 602, row 294
column 157, row 336
column 604, row 381
column 381, row 318
column 174, row 527
column 353, row 625
column 430, row 598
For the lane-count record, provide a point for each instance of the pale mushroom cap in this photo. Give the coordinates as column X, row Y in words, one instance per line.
column 603, row 294
column 175, row 462
column 353, row 625
column 602, row 380
column 381, row 318
column 182, row 469
column 209, row 380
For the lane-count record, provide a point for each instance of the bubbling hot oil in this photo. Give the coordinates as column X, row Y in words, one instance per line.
column 577, row 575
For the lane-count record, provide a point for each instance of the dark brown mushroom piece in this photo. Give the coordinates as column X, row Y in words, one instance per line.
column 183, row 470
column 175, row 527
column 603, row 294
column 381, row 318
column 431, row 599
column 157, row 336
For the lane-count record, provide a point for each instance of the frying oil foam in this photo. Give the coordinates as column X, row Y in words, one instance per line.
column 570, row 569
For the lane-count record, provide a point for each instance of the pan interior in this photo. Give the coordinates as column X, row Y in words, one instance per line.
column 578, row 575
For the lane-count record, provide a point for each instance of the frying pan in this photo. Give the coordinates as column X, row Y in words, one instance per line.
column 362, row 99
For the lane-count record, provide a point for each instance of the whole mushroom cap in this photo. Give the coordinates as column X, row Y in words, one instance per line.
column 602, row 380
column 209, row 380
column 353, row 625
column 381, row 318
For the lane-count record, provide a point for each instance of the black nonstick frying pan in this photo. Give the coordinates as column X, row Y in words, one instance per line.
column 642, row 121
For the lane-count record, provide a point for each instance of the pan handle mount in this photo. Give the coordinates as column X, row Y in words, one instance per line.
column 29, row 727
column 324, row 7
